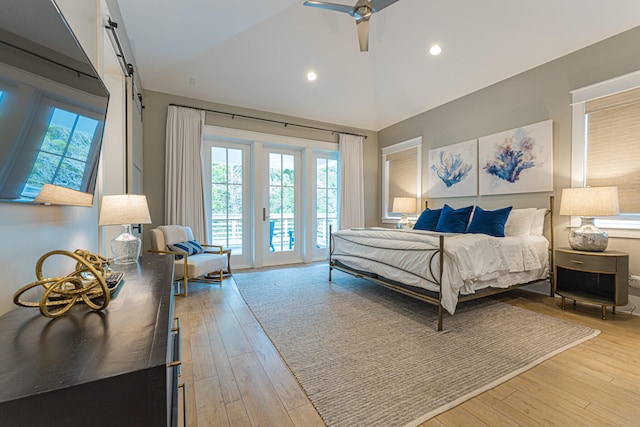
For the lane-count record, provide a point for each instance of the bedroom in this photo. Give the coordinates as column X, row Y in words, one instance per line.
column 530, row 97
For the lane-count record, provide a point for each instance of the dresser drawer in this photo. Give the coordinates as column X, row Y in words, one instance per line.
column 587, row 262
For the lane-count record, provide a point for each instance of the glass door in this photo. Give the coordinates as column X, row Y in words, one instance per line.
column 282, row 212
column 325, row 202
column 228, row 183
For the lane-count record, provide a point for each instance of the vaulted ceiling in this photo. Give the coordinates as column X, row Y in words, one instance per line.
column 256, row 54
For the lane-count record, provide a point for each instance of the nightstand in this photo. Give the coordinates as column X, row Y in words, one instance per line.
column 593, row 277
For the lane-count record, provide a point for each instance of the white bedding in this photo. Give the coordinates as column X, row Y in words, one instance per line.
column 471, row 261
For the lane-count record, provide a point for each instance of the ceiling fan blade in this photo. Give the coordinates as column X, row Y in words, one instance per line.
column 363, row 34
column 329, row 6
column 378, row 5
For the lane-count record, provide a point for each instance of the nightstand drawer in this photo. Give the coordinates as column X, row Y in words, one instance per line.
column 587, row 262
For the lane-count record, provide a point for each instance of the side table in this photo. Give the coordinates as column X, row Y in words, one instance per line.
column 593, row 277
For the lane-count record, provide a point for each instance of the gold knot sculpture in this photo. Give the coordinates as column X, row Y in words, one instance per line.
column 86, row 284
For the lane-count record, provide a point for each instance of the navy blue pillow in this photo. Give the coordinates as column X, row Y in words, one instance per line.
column 454, row 220
column 489, row 222
column 428, row 220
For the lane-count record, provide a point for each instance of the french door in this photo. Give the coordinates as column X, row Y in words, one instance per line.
column 282, row 210
column 228, row 183
column 269, row 202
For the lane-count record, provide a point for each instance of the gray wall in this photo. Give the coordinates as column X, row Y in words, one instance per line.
column 533, row 96
column 154, row 128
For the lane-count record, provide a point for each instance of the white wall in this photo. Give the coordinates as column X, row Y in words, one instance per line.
column 29, row 231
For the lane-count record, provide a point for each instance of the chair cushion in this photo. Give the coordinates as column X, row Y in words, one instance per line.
column 201, row 264
column 176, row 233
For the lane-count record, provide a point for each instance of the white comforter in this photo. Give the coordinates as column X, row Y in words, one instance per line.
column 471, row 261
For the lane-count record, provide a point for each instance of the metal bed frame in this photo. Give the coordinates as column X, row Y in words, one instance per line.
column 433, row 297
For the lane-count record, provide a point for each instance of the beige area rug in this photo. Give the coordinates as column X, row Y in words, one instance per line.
column 368, row 356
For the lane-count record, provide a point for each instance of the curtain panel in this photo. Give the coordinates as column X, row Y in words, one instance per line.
column 184, row 189
column 351, row 182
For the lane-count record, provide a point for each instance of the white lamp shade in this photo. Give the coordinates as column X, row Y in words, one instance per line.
column 404, row 205
column 590, row 201
column 51, row 194
column 124, row 209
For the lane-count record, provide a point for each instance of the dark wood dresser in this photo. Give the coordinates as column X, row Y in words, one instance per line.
column 86, row 368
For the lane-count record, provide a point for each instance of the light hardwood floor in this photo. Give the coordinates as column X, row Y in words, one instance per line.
column 235, row 377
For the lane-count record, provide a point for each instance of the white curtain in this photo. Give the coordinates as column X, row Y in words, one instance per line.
column 351, row 182
column 184, row 190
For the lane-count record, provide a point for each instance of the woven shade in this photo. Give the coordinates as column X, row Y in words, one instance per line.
column 590, row 201
column 613, row 137
column 124, row 209
column 402, row 174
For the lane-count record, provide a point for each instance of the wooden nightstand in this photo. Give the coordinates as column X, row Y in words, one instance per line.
column 593, row 277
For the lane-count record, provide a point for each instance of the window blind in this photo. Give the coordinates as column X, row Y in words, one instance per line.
column 613, row 146
column 402, row 168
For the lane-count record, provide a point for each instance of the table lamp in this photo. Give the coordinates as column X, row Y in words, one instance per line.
column 587, row 203
column 404, row 206
column 124, row 210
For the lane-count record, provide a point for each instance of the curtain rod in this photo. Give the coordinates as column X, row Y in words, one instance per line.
column 285, row 124
column 59, row 64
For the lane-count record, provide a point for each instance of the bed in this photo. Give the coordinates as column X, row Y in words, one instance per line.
column 444, row 268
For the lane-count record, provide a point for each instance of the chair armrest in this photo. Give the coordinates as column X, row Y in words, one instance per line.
column 213, row 246
column 182, row 253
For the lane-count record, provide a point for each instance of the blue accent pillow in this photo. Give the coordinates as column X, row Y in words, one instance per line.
column 428, row 220
column 454, row 220
column 489, row 222
column 191, row 247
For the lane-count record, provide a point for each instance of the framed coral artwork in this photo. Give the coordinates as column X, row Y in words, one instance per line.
column 453, row 170
column 517, row 161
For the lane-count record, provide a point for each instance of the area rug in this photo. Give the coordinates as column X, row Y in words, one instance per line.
column 368, row 356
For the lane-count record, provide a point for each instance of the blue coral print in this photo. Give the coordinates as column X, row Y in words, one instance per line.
column 512, row 157
column 452, row 169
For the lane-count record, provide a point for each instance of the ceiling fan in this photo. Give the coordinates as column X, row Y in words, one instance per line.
column 362, row 12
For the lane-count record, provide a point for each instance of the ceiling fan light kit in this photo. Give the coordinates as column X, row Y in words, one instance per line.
column 362, row 12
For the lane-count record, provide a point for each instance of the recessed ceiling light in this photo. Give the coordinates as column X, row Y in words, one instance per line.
column 435, row 49
column 311, row 76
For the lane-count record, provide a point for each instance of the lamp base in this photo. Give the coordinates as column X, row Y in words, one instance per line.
column 125, row 248
column 588, row 237
column 404, row 223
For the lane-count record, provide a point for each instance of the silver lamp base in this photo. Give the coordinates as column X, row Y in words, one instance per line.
column 588, row 237
column 404, row 223
column 125, row 248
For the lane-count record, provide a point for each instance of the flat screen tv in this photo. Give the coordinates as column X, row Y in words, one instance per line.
column 52, row 108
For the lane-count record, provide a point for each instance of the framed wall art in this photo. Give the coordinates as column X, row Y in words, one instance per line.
column 453, row 170
column 517, row 161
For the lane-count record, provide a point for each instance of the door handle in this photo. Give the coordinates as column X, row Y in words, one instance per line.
column 264, row 214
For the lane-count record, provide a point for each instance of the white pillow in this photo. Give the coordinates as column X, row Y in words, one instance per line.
column 519, row 222
column 537, row 226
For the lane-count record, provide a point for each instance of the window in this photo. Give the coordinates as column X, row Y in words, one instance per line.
column 401, row 174
column 63, row 153
column 606, row 146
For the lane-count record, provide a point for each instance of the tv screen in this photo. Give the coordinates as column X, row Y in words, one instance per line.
column 52, row 107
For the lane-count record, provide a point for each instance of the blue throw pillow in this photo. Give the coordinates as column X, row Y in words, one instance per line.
column 454, row 220
column 489, row 222
column 191, row 247
column 428, row 220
